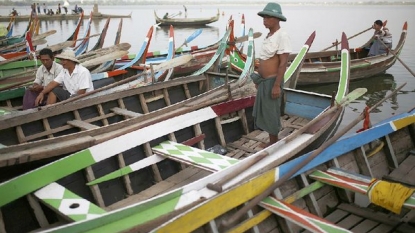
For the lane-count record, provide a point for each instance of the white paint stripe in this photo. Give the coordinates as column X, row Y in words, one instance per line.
column 50, row 191
column 146, row 162
column 141, row 136
column 393, row 126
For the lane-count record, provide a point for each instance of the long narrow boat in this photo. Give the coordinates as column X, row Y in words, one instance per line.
column 119, row 107
column 324, row 67
column 186, row 21
column 331, row 193
column 216, row 126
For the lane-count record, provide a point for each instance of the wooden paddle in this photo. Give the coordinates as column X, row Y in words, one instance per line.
column 218, row 186
column 162, row 66
column 397, row 57
column 190, row 38
column 245, row 38
column 295, row 169
column 339, row 42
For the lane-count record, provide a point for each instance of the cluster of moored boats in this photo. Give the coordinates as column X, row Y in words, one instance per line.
column 166, row 143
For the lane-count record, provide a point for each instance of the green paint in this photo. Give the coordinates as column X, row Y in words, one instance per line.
column 121, row 172
column 220, row 51
column 344, row 76
column 127, row 218
column 36, row 179
column 13, row 93
column 295, row 63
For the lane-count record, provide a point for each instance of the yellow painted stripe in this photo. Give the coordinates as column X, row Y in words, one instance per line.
column 400, row 123
column 220, row 204
column 249, row 223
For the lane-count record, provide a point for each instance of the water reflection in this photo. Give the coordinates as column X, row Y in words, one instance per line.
column 377, row 88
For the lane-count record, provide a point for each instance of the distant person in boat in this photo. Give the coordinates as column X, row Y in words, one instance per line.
column 166, row 16
column 269, row 79
column 45, row 74
column 14, row 12
column 58, row 11
column 185, row 11
column 33, row 7
column 45, row 8
column 72, row 81
column 380, row 35
column 38, row 8
column 66, row 10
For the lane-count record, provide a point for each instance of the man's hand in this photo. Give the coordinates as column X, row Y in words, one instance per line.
column 276, row 92
column 39, row 99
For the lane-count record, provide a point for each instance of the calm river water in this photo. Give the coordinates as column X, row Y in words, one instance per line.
column 328, row 22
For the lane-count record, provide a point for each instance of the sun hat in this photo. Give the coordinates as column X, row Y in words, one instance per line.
column 274, row 10
column 68, row 55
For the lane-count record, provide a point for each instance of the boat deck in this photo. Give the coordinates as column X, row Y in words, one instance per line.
column 374, row 219
column 247, row 145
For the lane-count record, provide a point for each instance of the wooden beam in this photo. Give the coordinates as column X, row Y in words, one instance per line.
column 82, row 124
column 125, row 112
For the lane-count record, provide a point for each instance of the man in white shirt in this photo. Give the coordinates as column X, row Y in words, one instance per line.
column 46, row 73
column 73, row 80
column 273, row 59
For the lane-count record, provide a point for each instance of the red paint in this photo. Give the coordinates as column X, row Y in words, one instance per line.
column 233, row 105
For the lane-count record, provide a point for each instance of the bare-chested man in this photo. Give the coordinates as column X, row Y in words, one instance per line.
column 270, row 77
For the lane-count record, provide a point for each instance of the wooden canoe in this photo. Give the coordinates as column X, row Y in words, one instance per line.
column 145, row 102
column 324, row 67
column 329, row 194
column 184, row 22
column 207, row 127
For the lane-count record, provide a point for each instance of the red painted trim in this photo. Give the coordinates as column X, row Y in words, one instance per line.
column 194, row 140
column 233, row 105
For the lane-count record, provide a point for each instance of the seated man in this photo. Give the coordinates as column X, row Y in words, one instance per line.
column 74, row 78
column 381, row 34
column 46, row 73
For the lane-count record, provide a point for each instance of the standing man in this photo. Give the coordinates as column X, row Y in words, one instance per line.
column 273, row 59
column 45, row 74
column 44, row 8
column 74, row 78
column 38, row 8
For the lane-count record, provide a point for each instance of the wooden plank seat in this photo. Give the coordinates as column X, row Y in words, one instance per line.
column 67, row 203
column 351, row 181
column 82, row 124
column 193, row 156
column 125, row 112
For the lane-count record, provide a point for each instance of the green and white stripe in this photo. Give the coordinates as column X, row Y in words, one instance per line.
column 68, row 203
column 31, row 181
column 194, row 156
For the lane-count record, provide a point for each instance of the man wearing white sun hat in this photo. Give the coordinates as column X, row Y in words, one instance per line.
column 73, row 80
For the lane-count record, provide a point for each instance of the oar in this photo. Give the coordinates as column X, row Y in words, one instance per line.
column 245, row 38
column 190, row 38
column 338, row 42
column 218, row 186
column 162, row 66
column 397, row 57
column 295, row 169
